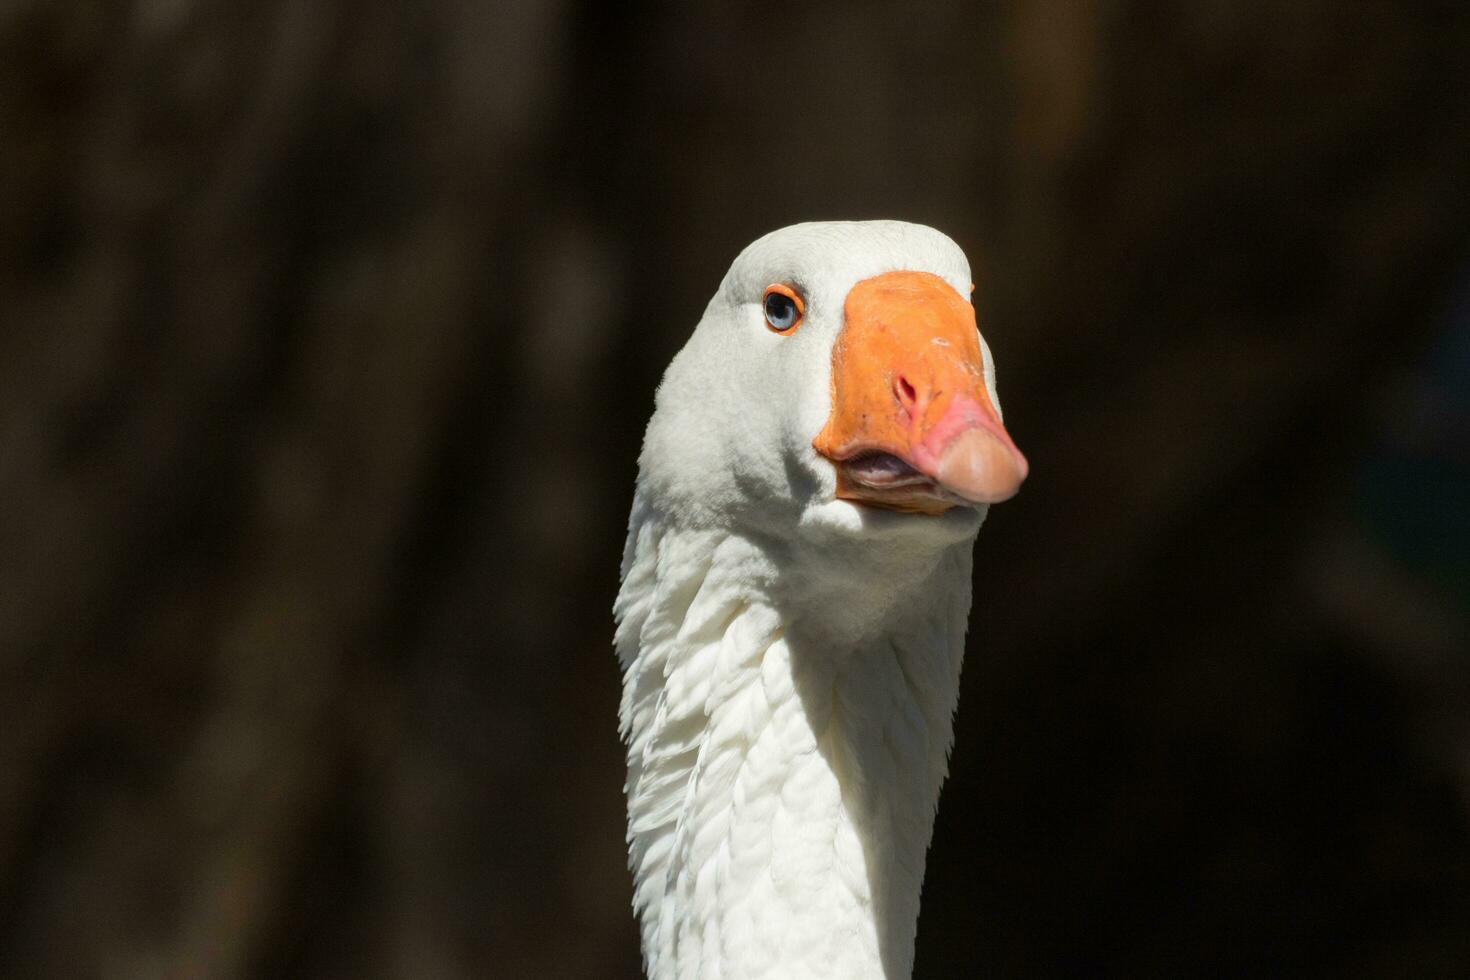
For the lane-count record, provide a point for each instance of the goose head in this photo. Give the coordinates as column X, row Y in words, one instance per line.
column 836, row 386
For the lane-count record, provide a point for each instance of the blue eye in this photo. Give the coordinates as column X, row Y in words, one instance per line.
column 780, row 311
column 783, row 308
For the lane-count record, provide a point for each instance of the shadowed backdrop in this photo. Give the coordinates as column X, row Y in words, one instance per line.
column 327, row 336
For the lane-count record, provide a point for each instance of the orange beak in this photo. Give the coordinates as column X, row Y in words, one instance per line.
column 912, row 426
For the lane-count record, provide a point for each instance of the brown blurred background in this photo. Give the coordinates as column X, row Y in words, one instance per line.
column 327, row 335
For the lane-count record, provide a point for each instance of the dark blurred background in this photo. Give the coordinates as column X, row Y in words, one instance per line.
column 327, row 335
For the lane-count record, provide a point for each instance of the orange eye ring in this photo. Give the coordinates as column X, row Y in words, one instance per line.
column 783, row 308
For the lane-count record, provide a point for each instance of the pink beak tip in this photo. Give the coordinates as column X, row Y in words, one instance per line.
column 982, row 466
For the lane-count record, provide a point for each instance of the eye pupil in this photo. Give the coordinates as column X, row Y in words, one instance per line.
column 780, row 310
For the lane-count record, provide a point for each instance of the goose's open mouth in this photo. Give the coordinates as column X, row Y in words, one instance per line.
column 881, row 479
column 877, row 469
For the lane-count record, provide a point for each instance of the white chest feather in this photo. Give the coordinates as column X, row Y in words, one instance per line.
column 782, row 781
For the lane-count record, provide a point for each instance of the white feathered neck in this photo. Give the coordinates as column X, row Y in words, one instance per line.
column 788, row 713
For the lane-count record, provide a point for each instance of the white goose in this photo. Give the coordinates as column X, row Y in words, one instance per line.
column 795, row 590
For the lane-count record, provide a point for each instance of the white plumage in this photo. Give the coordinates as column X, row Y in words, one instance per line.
column 790, row 630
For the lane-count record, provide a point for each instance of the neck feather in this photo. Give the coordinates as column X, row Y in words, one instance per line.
column 782, row 774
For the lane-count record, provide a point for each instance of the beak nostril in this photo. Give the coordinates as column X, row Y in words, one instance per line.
column 905, row 391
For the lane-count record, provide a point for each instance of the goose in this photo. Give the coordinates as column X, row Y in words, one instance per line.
column 794, row 596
